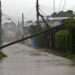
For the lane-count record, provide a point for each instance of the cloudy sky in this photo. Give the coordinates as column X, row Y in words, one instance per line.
column 16, row 7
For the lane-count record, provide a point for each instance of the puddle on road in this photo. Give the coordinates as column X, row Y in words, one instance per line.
column 35, row 54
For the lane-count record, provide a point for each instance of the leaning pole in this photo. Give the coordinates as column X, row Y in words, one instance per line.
column 0, row 24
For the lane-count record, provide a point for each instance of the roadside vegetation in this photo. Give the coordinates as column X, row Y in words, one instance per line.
column 41, row 41
column 2, row 55
column 65, row 39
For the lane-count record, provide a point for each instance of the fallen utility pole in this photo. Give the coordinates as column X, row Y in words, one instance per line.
column 34, row 35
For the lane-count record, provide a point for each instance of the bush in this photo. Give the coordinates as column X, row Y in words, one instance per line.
column 2, row 55
column 63, row 41
column 70, row 23
column 42, row 40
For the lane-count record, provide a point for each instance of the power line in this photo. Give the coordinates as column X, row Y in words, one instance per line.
column 42, row 11
column 74, row 8
column 47, row 7
column 60, row 5
column 65, row 1
column 7, row 17
column 48, row 10
column 28, row 12
column 54, row 6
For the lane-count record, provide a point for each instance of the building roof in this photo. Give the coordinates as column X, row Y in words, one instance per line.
column 58, row 18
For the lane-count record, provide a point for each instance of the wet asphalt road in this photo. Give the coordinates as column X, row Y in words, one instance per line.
column 23, row 60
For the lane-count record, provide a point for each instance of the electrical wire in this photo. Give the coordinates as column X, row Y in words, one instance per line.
column 60, row 5
column 42, row 11
column 73, row 8
column 65, row 1
column 50, row 11
column 47, row 7
column 29, row 14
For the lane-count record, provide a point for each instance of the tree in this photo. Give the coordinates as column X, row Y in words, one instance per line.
column 68, row 13
column 54, row 14
column 63, row 40
column 70, row 25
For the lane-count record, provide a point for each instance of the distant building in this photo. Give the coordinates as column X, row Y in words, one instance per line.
column 10, row 30
column 52, row 21
column 26, row 27
column 11, row 26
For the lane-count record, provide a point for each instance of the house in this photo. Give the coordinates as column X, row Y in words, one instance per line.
column 26, row 27
column 53, row 21
column 10, row 30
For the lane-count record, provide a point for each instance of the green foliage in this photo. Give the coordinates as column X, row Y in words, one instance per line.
column 2, row 55
column 54, row 14
column 46, row 27
column 35, row 29
column 41, row 40
column 68, row 13
column 63, row 41
column 70, row 24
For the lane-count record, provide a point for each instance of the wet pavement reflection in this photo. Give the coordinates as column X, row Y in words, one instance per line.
column 23, row 60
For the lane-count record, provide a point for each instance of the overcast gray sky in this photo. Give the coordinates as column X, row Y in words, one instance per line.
column 16, row 7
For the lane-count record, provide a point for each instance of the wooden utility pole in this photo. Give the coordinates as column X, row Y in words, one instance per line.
column 39, row 14
column 37, row 10
column 0, row 25
column 18, row 30
column 23, row 24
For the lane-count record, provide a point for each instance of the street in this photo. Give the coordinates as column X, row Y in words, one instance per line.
column 24, row 60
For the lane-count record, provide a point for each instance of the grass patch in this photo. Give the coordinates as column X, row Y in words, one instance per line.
column 2, row 55
column 66, row 55
column 71, row 56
